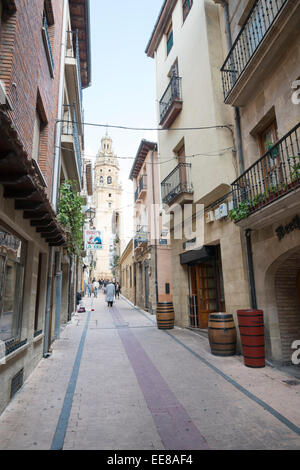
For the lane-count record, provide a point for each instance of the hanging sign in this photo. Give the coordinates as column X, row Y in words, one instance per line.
column 93, row 240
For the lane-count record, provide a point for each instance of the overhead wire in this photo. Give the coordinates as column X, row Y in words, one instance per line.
column 228, row 126
column 214, row 153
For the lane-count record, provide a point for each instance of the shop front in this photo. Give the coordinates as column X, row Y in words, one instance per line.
column 13, row 251
column 206, row 288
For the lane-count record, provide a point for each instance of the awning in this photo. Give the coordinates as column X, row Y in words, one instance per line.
column 201, row 255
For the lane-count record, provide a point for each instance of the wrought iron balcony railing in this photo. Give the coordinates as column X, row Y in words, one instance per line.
column 143, row 183
column 73, row 52
column 177, row 182
column 70, row 127
column 256, row 26
column 172, row 94
column 274, row 175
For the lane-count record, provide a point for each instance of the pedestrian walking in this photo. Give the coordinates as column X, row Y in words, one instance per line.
column 96, row 287
column 90, row 289
column 118, row 290
column 110, row 294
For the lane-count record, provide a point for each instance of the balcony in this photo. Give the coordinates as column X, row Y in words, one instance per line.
column 71, row 143
column 269, row 190
column 141, row 189
column 73, row 68
column 141, row 238
column 171, row 103
column 178, row 187
column 266, row 31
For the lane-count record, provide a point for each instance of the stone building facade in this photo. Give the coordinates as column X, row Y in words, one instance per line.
column 263, row 39
column 198, row 161
column 152, row 250
column 126, row 269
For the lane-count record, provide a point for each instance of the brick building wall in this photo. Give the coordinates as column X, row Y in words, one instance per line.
column 288, row 302
column 25, row 73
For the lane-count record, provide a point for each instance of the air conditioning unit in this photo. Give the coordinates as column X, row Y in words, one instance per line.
column 209, row 217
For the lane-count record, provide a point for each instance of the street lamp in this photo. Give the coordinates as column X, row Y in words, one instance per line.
column 90, row 215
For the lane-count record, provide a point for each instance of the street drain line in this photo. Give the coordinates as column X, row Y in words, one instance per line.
column 60, row 433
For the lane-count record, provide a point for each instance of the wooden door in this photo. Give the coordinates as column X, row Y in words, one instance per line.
column 271, row 164
column 203, row 287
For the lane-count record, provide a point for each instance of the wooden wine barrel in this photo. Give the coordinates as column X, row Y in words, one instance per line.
column 222, row 334
column 251, row 325
column 165, row 315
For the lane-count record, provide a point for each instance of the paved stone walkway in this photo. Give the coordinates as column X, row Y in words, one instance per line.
column 116, row 382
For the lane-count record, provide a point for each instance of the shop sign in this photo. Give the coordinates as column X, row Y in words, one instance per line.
column 284, row 230
column 93, row 240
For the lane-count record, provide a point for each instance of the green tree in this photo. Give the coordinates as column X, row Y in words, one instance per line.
column 71, row 216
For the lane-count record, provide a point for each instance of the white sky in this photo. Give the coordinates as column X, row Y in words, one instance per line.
column 123, row 82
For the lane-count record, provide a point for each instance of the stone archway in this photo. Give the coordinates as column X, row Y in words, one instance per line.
column 287, row 288
column 278, row 298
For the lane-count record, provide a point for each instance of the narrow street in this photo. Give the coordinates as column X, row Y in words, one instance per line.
column 114, row 381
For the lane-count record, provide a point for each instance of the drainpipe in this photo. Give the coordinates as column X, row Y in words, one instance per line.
column 251, row 269
column 56, row 173
column 237, row 118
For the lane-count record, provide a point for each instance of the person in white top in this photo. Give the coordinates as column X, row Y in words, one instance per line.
column 96, row 287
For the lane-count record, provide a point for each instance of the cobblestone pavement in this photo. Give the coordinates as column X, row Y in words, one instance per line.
column 116, row 382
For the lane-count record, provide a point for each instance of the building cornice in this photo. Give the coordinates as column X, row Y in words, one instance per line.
column 144, row 148
column 160, row 26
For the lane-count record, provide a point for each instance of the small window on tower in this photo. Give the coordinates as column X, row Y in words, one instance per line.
column 109, row 180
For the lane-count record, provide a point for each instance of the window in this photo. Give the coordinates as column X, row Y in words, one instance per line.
column 109, row 180
column 36, row 137
column 271, row 165
column 169, row 35
column 101, row 180
column 12, row 265
column 48, row 20
column 268, row 137
column 186, row 6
